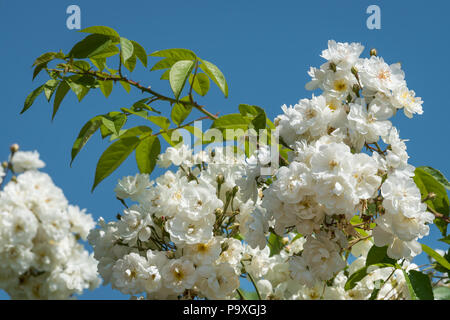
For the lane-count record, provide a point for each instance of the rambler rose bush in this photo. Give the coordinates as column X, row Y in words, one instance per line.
column 40, row 255
column 334, row 211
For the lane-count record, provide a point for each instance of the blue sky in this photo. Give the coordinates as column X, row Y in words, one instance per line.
column 264, row 49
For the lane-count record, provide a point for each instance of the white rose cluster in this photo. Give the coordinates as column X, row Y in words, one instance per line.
column 193, row 232
column 285, row 276
column 40, row 255
column 177, row 237
column 330, row 178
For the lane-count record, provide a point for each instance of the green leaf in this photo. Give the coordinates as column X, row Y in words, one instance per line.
column 176, row 54
column 147, row 153
column 250, row 111
column 420, row 284
column 180, row 113
column 411, row 291
column 436, row 256
column 168, row 137
column 42, row 61
column 85, row 134
column 378, row 255
column 44, row 58
column 135, row 132
column 79, row 89
column 361, row 273
column 178, row 75
column 50, row 87
column 160, row 121
column 200, row 84
column 60, row 93
column 38, row 69
column 275, row 243
column 231, row 121
column 216, row 76
column 113, row 157
column 441, row 293
column 81, row 65
column 104, row 131
column 437, row 175
column 140, row 113
column 107, row 31
column 100, row 63
column 164, row 64
column 428, row 184
column 114, row 123
column 130, row 64
column 90, row 46
column 31, row 97
column 127, row 48
column 139, row 51
column 106, row 87
column 106, row 52
column 126, row 86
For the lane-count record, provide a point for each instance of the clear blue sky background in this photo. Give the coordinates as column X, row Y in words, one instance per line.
column 263, row 47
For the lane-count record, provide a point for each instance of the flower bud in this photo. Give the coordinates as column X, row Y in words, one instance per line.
column 373, row 52
column 4, row 164
column 14, row 148
column 218, row 212
column 235, row 190
column 220, row 179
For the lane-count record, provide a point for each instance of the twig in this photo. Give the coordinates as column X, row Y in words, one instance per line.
column 106, row 77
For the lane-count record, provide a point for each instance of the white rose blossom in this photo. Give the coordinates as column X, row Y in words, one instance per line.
column 40, row 256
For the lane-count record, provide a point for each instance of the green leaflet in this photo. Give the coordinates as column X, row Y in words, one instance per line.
column 106, row 87
column 436, row 256
column 90, row 46
column 85, row 134
column 418, row 285
column 180, row 113
column 231, row 121
column 147, row 153
column 139, row 51
column 437, row 175
column 61, row 92
column 428, row 184
column 216, row 75
column 378, row 255
column 178, row 75
column 103, row 30
column 176, row 54
column 31, row 97
column 50, row 87
column 160, row 121
column 114, row 123
column 200, row 83
column 113, row 157
column 127, row 49
column 275, row 243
